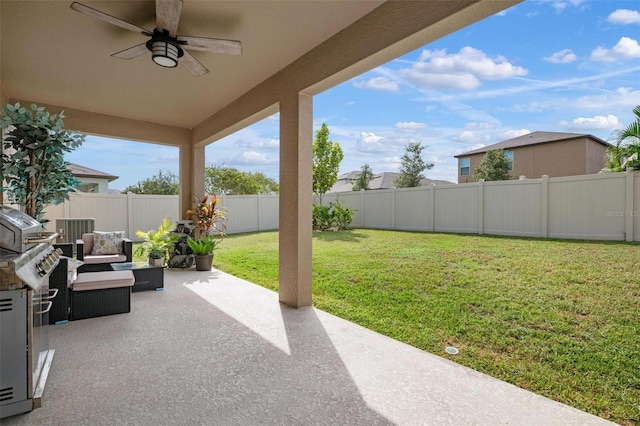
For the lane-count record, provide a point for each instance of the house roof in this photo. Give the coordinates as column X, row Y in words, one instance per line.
column 535, row 138
column 384, row 180
column 85, row 172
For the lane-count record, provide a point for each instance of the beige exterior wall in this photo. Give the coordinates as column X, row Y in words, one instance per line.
column 555, row 159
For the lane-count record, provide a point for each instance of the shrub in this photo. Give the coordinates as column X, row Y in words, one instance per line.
column 332, row 217
column 321, row 217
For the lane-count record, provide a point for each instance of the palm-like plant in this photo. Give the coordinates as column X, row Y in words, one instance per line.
column 626, row 153
column 157, row 243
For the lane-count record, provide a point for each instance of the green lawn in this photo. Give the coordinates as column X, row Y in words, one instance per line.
column 560, row 318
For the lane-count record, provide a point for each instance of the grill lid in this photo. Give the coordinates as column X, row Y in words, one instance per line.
column 15, row 229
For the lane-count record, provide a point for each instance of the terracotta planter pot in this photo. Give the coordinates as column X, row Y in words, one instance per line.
column 204, row 262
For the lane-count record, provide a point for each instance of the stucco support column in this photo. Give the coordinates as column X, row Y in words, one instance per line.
column 191, row 176
column 296, row 154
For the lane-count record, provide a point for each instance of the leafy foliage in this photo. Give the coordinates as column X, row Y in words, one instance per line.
column 160, row 184
column 327, row 156
column 332, row 217
column 494, row 166
column 364, row 177
column 231, row 181
column 156, row 244
column 206, row 244
column 626, row 152
column 411, row 166
column 207, row 217
column 33, row 165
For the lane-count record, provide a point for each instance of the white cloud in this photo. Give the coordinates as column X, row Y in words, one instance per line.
column 623, row 98
column 410, row 126
column 624, row 17
column 561, row 5
column 251, row 157
column 626, row 48
column 510, row 134
column 471, row 137
column 474, row 125
column 463, row 70
column 564, row 56
column 599, row 122
column 378, row 83
column 259, row 144
column 370, row 142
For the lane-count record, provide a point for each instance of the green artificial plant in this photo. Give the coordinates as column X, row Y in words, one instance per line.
column 33, row 171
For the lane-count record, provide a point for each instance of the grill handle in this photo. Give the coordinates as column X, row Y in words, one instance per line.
column 48, row 308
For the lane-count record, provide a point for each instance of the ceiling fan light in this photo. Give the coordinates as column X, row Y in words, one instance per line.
column 164, row 53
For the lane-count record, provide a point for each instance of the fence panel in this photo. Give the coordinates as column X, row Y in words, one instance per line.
column 109, row 211
column 513, row 208
column 243, row 213
column 378, row 208
column 413, row 209
column 269, row 216
column 147, row 212
column 456, row 208
column 353, row 200
column 587, row 207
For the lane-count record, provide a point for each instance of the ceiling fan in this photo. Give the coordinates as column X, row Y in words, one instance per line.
column 165, row 45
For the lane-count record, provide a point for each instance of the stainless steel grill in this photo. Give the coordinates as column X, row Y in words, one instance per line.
column 27, row 258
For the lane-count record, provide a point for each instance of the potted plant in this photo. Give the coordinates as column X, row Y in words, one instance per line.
column 209, row 221
column 156, row 244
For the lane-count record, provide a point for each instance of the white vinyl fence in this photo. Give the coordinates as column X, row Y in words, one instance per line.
column 594, row 207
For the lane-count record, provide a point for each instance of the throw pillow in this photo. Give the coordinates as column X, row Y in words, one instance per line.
column 107, row 242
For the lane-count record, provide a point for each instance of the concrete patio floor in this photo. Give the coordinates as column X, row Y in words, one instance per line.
column 212, row 349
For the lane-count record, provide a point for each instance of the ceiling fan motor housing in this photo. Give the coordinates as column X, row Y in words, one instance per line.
column 165, row 50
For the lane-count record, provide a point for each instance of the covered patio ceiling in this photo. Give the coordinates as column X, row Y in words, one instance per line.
column 292, row 50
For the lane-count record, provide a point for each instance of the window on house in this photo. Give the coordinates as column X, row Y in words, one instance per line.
column 509, row 155
column 464, row 166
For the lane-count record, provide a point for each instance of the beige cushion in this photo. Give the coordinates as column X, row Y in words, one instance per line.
column 87, row 239
column 106, row 279
column 107, row 242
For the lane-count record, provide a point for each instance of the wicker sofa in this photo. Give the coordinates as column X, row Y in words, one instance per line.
column 97, row 261
column 88, row 295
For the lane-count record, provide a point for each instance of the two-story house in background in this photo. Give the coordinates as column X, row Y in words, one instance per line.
column 542, row 153
column 91, row 180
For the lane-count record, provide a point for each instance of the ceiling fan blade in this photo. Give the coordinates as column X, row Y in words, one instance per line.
column 79, row 7
column 215, row 45
column 132, row 52
column 168, row 15
column 193, row 65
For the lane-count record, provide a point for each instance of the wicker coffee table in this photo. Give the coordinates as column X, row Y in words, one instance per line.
column 147, row 277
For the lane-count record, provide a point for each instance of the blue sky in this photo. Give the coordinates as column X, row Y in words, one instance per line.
column 543, row 65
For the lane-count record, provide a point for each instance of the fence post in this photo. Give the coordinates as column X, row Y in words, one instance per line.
column 362, row 208
column 481, row 207
column 130, row 214
column 393, row 208
column 629, row 212
column 433, row 207
column 258, row 210
column 544, row 207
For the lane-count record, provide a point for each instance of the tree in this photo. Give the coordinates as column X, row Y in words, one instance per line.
column 228, row 180
column 411, row 166
column 626, row 152
column 327, row 156
column 494, row 166
column 161, row 184
column 364, row 177
column 33, row 165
